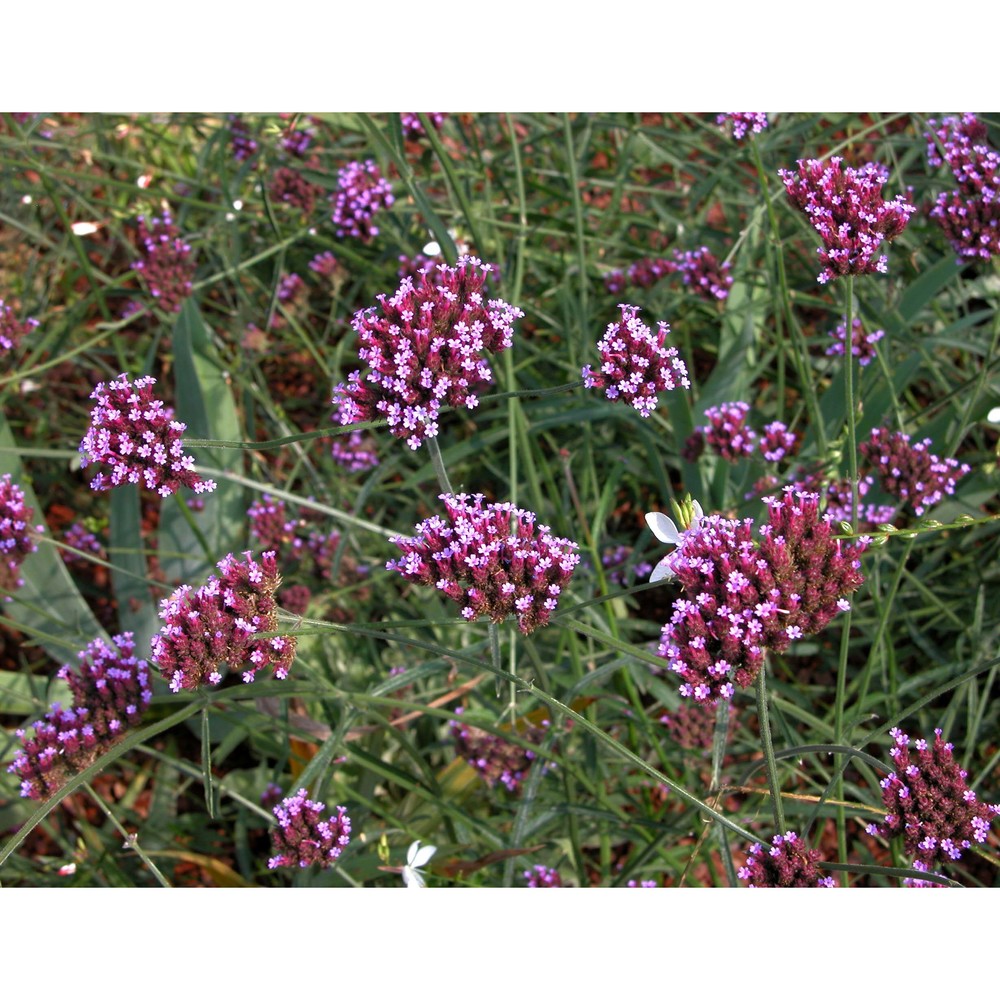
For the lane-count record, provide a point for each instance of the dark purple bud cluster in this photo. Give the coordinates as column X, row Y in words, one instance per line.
column 354, row 451
column 426, row 350
column 929, row 804
column 776, row 441
column 910, row 471
column 727, row 433
column 302, row 838
column 297, row 142
column 166, row 263
column 862, row 344
column 362, row 192
column 291, row 187
column 80, row 538
column 16, row 533
column 111, row 691
column 845, row 206
column 541, row 877
column 704, row 274
column 618, row 573
column 635, row 363
column 741, row 122
column 290, row 288
column 491, row 558
column 494, row 758
column 692, row 724
column 222, row 622
column 413, row 127
column 241, row 142
column 13, row 330
column 324, row 264
column 136, row 435
column 786, row 864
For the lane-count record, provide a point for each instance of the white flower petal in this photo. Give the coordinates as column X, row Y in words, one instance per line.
column 413, row 880
column 664, row 529
column 661, row 571
column 423, row 855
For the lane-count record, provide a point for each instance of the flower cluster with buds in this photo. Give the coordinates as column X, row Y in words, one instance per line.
column 970, row 215
column 692, row 724
column 16, row 533
column 302, row 838
column 324, row 264
column 491, row 558
column 776, row 441
column 614, row 562
column 787, row 863
column 635, row 363
column 426, row 350
column 494, row 758
column 929, row 804
column 910, row 471
column 222, row 622
column 413, row 127
column 354, row 451
column 741, row 122
column 242, row 144
column 166, row 263
column 13, row 330
column 80, row 539
column 541, row 877
column 742, row 598
column 726, row 432
column 291, row 187
column 862, row 344
column 361, row 193
column 845, row 206
column 136, row 435
column 111, row 691
column 700, row 269
column 297, row 142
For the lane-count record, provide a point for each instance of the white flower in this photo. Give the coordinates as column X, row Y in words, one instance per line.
column 416, row 857
column 668, row 533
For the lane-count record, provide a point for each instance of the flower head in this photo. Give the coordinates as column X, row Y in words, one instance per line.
column 703, row 273
column 787, row 863
column 741, row 122
column 136, row 435
column 361, row 193
column 929, row 804
column 241, row 142
column 79, row 538
column 492, row 558
column 413, row 127
column 416, row 858
column 427, row 350
column 13, row 330
column 495, row 759
column 727, row 433
column 541, row 877
column 292, row 188
column 635, row 363
column 166, row 262
column 845, row 206
column 111, row 691
column 221, row 622
column 777, row 441
column 862, row 344
column 302, row 838
column 16, row 533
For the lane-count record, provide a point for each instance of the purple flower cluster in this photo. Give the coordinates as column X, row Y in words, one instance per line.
column 354, row 451
column 776, row 441
column 741, row 122
column 703, row 272
column 970, row 215
column 13, row 330
column 614, row 562
column 290, row 287
column 111, row 691
column 496, row 760
column 910, row 471
column 491, row 558
column 839, row 504
column 136, row 435
column 541, row 877
column 221, row 622
column 297, row 142
column 324, row 264
column 743, row 598
column 291, row 187
column 692, row 724
column 302, row 838
column 16, row 533
column 79, row 538
column 362, row 191
column 929, row 804
column 166, row 263
column 242, row 144
column 413, row 128
column 635, row 363
column 426, row 350
column 727, row 433
column 845, row 206
column 788, row 863
column 862, row 344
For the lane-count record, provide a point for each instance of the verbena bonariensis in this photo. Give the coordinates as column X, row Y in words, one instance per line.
column 742, row 598
column 702, row 272
column 413, row 127
column 491, row 558
column 13, row 330
column 787, row 863
column 970, row 215
column 862, row 344
column 426, row 350
column 777, row 441
column 111, row 691
column 136, row 435
column 222, row 622
column 635, row 363
column 910, row 471
column 291, row 187
column 166, row 265
column 541, row 877
column 16, row 533
column 929, row 804
column 845, row 206
column 727, row 433
column 303, row 838
column 741, row 122
column 242, row 143
column 361, row 193
column 495, row 759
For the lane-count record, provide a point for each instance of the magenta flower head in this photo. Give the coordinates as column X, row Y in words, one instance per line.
column 929, row 804
column 291, row 187
column 413, row 127
column 136, row 435
column 243, row 145
column 16, row 533
column 777, row 441
column 495, row 759
column 166, row 263
column 635, row 363
column 703, row 273
column 222, row 622
column 302, row 838
column 354, row 451
column 845, row 206
column 426, row 350
column 862, row 344
column 727, row 433
column 491, row 558
column 741, row 122
column 111, row 691
column 787, row 863
column 909, row 471
column 13, row 330
column 361, row 193
column 541, row 877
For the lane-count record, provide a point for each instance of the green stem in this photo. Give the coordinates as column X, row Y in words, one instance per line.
column 438, row 462
column 768, row 748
